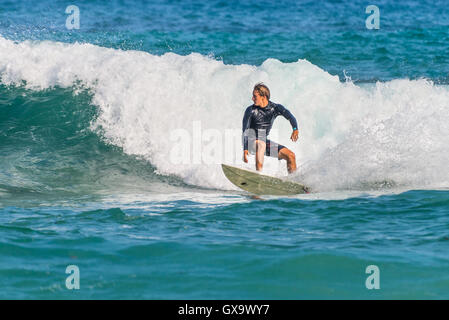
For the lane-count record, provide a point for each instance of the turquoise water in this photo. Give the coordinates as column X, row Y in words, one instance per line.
column 111, row 139
column 410, row 43
column 204, row 246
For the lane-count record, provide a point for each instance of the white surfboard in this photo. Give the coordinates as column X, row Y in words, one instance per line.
column 261, row 184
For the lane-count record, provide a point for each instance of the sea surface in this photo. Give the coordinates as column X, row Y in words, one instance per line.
column 112, row 135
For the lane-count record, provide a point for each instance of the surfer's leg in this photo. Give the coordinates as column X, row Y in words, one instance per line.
column 288, row 155
column 260, row 152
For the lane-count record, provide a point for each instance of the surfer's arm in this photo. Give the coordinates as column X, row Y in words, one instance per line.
column 245, row 126
column 287, row 115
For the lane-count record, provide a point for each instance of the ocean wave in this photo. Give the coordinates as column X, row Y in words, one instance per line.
column 387, row 133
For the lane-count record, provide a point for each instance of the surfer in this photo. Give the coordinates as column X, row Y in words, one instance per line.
column 257, row 123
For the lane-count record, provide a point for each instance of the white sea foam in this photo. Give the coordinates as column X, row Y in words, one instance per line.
column 392, row 133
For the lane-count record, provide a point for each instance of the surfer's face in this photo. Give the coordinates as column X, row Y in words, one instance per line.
column 259, row 100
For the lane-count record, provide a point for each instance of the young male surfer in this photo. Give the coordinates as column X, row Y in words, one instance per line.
column 257, row 123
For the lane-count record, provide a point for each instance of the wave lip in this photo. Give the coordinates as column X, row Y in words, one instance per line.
column 350, row 135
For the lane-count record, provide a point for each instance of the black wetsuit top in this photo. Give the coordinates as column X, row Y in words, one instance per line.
column 261, row 119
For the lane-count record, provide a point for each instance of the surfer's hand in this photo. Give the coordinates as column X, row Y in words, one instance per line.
column 245, row 156
column 294, row 136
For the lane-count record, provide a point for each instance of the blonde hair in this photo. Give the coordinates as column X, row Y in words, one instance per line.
column 262, row 90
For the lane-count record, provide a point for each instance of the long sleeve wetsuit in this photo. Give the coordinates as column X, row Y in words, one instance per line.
column 260, row 120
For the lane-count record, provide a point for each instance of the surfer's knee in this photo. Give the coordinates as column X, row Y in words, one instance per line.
column 286, row 154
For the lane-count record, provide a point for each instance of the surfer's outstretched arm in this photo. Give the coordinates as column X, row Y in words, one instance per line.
column 289, row 116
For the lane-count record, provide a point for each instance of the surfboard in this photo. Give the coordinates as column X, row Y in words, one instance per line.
column 261, row 184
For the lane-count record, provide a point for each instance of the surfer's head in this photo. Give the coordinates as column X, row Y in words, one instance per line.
column 261, row 95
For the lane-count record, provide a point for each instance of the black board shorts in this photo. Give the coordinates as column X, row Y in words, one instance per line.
column 272, row 148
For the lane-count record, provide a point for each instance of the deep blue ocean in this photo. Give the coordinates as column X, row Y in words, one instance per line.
column 112, row 133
